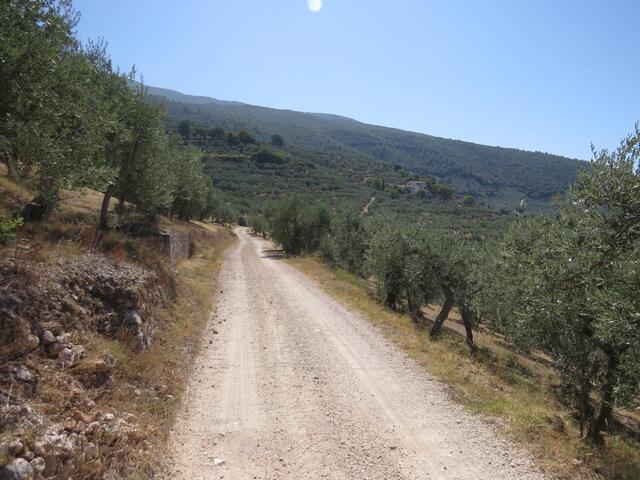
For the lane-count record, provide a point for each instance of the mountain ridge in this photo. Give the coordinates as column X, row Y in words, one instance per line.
column 181, row 97
column 493, row 172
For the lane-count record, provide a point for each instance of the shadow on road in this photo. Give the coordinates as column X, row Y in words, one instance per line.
column 273, row 253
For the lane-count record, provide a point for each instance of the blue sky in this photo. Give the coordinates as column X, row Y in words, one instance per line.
column 538, row 75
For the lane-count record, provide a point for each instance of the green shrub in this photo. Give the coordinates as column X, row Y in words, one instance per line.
column 9, row 228
column 277, row 140
column 266, row 156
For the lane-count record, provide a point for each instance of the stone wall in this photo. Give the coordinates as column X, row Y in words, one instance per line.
column 177, row 246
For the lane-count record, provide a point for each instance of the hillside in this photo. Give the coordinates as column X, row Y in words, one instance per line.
column 500, row 175
column 97, row 335
column 249, row 174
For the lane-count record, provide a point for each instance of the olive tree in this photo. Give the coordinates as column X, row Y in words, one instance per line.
column 458, row 265
column 36, row 36
column 144, row 162
column 258, row 224
column 398, row 259
column 54, row 117
column 570, row 285
column 296, row 225
column 191, row 186
column 348, row 237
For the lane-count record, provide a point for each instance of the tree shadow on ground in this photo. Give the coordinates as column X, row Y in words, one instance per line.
column 273, row 253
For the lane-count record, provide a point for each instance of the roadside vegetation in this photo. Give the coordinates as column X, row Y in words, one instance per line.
column 111, row 234
column 68, row 287
column 160, row 374
column 564, row 288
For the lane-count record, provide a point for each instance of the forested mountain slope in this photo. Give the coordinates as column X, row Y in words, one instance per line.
column 500, row 174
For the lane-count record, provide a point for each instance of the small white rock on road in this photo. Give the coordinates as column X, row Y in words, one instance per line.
column 296, row 386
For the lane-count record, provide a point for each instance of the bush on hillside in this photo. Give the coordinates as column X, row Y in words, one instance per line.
column 245, row 138
column 266, row 156
column 277, row 140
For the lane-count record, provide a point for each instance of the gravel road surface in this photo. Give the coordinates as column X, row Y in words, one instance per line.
column 290, row 384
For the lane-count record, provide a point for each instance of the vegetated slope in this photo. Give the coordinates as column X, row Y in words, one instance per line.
column 252, row 173
column 97, row 332
column 501, row 174
column 331, row 177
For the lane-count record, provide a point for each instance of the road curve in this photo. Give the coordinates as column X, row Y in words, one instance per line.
column 290, row 384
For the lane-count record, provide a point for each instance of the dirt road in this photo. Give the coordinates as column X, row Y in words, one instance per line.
column 365, row 210
column 292, row 385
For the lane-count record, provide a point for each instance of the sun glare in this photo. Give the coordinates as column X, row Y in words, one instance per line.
column 315, row 5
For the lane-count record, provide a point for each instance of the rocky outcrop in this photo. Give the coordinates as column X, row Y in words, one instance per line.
column 69, row 448
column 40, row 302
column 53, row 312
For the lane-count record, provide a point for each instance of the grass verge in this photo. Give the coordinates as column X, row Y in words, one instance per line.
column 521, row 399
column 159, row 374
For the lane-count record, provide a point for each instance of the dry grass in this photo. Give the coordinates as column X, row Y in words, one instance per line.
column 12, row 194
column 160, row 373
column 82, row 201
column 18, row 190
column 149, row 384
column 518, row 394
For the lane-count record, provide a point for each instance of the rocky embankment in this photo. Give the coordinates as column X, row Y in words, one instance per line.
column 56, row 315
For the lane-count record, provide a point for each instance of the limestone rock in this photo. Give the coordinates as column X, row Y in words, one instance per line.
column 92, row 428
column 55, row 348
column 66, row 358
column 48, row 338
column 79, row 416
column 132, row 318
column 89, row 450
column 78, row 351
column 38, row 464
column 23, row 374
column 19, row 469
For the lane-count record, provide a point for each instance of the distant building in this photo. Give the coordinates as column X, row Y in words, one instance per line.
column 521, row 207
column 416, row 186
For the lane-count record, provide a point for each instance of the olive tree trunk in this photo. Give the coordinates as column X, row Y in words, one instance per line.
column 391, row 300
column 602, row 419
column 449, row 299
column 468, row 319
column 11, row 167
column 104, row 211
column 414, row 307
column 584, row 405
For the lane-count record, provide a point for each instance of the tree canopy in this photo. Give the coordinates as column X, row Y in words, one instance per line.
column 69, row 120
column 572, row 285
